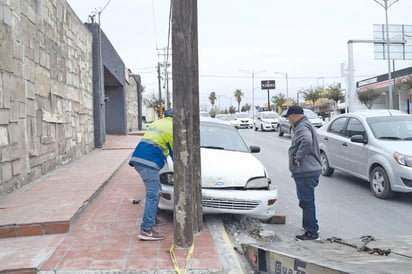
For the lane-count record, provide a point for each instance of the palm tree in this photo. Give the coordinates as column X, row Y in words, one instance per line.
column 212, row 99
column 280, row 100
column 238, row 95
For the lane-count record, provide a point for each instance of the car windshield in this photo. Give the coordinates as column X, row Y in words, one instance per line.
column 270, row 115
column 221, row 136
column 242, row 115
column 310, row 114
column 391, row 127
column 224, row 117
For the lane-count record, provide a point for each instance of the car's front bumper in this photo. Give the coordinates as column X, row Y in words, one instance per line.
column 271, row 126
column 254, row 203
column 401, row 178
column 245, row 125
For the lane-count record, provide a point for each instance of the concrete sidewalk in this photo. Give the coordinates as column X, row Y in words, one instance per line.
column 79, row 219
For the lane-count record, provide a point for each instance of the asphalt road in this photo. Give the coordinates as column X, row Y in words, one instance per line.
column 346, row 207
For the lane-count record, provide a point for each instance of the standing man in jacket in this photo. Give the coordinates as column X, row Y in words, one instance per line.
column 305, row 166
column 148, row 158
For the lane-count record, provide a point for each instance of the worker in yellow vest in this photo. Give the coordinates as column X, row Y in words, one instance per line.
column 148, row 158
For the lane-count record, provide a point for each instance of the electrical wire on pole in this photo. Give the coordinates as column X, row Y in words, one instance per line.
column 253, row 73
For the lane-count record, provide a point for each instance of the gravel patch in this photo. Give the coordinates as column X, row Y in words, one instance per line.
column 248, row 230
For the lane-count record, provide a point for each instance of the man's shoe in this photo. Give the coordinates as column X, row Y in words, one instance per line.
column 159, row 221
column 150, row 235
column 307, row 236
column 304, row 229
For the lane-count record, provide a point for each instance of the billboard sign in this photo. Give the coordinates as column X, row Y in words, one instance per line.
column 396, row 32
column 268, row 84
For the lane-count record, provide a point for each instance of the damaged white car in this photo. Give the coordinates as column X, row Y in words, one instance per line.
column 234, row 181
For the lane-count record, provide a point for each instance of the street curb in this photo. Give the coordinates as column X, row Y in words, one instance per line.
column 230, row 258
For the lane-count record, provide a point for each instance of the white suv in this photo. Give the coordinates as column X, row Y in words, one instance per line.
column 266, row 120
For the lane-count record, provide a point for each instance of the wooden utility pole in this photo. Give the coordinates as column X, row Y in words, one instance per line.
column 186, row 132
column 160, row 91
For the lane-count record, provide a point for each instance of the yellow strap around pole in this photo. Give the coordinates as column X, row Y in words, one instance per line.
column 188, row 258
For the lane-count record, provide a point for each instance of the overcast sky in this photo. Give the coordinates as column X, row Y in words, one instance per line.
column 307, row 39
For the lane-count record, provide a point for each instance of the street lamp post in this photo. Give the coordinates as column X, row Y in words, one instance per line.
column 385, row 5
column 287, row 82
column 323, row 81
column 253, row 87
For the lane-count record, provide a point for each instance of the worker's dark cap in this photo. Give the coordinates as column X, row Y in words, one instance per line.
column 294, row 110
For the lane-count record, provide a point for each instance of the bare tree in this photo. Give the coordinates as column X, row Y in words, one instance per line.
column 246, row 107
column 368, row 97
column 152, row 101
column 405, row 83
column 232, row 109
column 334, row 92
column 312, row 95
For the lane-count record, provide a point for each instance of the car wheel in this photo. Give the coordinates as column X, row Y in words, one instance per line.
column 280, row 132
column 326, row 169
column 261, row 128
column 380, row 184
column 256, row 128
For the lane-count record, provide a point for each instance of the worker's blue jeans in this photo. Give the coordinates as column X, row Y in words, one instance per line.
column 151, row 181
column 305, row 189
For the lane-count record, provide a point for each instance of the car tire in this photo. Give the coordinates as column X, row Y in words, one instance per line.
column 261, row 128
column 380, row 184
column 326, row 169
column 256, row 128
column 280, row 132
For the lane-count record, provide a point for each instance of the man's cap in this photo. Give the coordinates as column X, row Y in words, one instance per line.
column 294, row 110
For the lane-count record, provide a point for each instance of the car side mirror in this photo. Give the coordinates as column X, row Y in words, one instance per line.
column 359, row 139
column 254, row 149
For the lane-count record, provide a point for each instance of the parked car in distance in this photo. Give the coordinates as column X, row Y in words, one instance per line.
column 284, row 126
column 228, row 118
column 234, row 181
column 266, row 120
column 244, row 120
column 204, row 113
column 374, row 145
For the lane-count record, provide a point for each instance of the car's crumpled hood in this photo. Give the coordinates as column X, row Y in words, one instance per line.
column 224, row 168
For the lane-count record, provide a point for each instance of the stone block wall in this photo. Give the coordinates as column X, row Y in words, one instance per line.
column 132, row 102
column 46, row 97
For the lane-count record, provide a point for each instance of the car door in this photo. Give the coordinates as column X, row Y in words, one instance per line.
column 355, row 154
column 284, row 122
column 333, row 140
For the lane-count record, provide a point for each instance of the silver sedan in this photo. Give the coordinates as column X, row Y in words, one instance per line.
column 374, row 145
